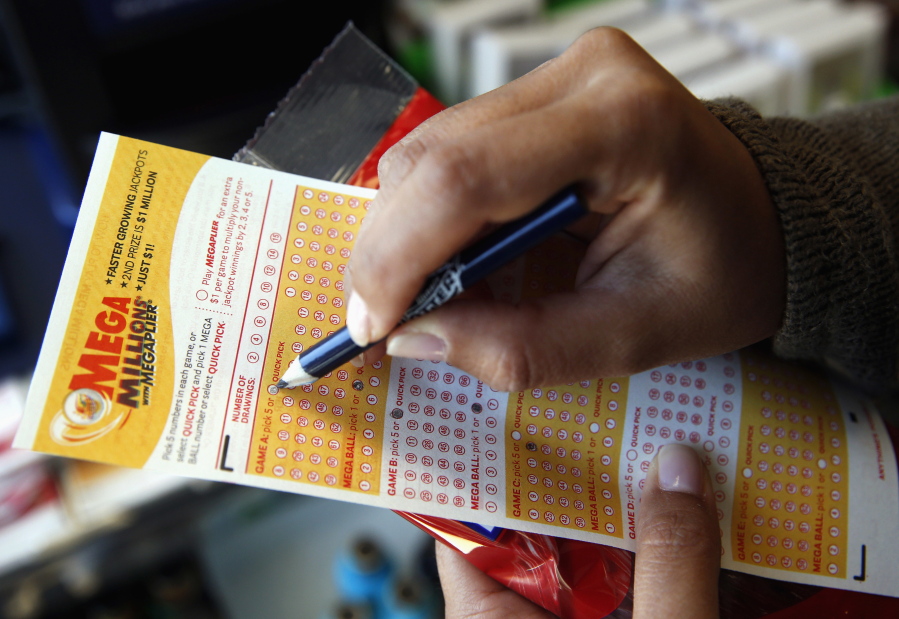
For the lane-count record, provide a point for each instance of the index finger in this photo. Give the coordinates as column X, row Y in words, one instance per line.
column 456, row 192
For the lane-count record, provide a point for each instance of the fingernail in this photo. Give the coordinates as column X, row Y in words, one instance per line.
column 680, row 469
column 357, row 320
column 358, row 361
column 417, row 346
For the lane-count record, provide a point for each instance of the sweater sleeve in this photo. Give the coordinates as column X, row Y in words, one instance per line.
column 835, row 183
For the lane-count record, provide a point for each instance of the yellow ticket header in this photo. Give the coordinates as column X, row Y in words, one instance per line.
column 111, row 389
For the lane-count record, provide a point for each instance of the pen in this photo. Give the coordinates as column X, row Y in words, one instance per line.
column 467, row 267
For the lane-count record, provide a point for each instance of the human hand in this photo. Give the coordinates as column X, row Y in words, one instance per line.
column 678, row 553
column 688, row 263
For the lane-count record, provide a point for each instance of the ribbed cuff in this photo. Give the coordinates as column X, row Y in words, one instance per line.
column 841, row 273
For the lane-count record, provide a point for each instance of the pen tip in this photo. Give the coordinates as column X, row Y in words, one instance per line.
column 281, row 384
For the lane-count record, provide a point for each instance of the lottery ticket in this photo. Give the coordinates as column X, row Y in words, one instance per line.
column 192, row 282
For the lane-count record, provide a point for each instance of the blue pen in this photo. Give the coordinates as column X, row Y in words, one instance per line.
column 463, row 270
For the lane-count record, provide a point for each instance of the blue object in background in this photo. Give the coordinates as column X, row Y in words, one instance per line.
column 406, row 598
column 362, row 572
column 368, row 583
column 279, row 561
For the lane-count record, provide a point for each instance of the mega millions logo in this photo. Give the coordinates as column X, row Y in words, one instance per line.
column 118, row 371
column 85, row 416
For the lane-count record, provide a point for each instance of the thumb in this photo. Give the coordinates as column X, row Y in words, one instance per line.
column 542, row 341
column 678, row 540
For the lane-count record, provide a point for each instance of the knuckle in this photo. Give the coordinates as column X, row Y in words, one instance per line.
column 511, row 372
column 677, row 534
column 402, row 158
column 627, row 354
column 603, row 38
column 368, row 274
column 515, row 365
column 636, row 358
column 450, row 169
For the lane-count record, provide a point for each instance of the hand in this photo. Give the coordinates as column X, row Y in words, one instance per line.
column 689, row 261
column 678, row 553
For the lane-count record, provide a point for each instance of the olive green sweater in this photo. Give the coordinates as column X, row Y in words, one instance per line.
column 835, row 182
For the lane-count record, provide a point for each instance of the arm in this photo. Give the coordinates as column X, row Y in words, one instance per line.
column 835, row 183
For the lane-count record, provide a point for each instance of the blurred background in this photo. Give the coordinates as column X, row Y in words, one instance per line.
column 82, row 540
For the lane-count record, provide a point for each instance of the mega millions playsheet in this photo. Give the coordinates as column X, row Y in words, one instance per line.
column 192, row 282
